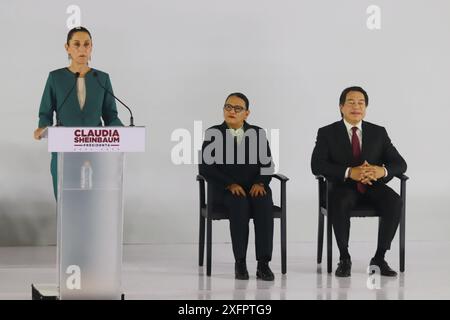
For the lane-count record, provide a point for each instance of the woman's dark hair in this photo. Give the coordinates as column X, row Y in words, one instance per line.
column 350, row 89
column 75, row 30
column 240, row 96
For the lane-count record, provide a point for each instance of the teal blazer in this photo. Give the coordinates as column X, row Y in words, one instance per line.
column 99, row 105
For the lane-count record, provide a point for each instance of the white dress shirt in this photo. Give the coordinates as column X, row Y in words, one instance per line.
column 358, row 132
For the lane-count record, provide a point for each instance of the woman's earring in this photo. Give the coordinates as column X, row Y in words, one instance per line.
column 69, row 57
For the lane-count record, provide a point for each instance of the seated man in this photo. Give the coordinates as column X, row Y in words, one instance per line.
column 236, row 160
column 360, row 158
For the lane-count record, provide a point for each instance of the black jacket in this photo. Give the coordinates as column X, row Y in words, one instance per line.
column 249, row 170
column 332, row 154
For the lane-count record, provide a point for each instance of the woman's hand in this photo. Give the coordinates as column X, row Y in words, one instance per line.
column 236, row 190
column 38, row 132
column 258, row 190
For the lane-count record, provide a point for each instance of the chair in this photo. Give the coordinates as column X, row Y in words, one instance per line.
column 360, row 211
column 208, row 213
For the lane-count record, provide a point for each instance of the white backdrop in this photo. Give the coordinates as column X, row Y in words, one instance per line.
column 175, row 61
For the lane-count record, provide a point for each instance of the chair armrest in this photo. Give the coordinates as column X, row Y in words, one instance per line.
column 402, row 177
column 280, row 177
column 201, row 196
column 200, row 178
column 324, row 180
column 283, row 183
column 320, row 177
column 324, row 186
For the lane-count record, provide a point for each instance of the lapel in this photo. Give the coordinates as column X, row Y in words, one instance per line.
column 344, row 141
column 72, row 101
column 223, row 128
column 367, row 140
column 225, row 135
column 89, row 83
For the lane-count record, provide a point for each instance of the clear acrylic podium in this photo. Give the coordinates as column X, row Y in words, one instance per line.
column 90, row 209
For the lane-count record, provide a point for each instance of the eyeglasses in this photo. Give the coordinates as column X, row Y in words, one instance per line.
column 237, row 109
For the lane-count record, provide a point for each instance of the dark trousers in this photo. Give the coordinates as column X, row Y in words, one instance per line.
column 343, row 198
column 240, row 210
column 54, row 172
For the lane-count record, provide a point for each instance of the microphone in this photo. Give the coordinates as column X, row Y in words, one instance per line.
column 58, row 121
column 95, row 74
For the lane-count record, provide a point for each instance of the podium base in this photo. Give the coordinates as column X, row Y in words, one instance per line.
column 49, row 292
column 44, row 292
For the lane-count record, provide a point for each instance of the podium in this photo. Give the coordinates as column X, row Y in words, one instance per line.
column 89, row 210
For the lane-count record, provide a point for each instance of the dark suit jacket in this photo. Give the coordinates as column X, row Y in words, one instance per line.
column 245, row 174
column 332, row 154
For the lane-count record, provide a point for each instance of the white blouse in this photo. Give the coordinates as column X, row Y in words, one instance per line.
column 81, row 91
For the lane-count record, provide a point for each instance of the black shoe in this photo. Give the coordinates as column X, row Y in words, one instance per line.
column 385, row 270
column 344, row 268
column 240, row 271
column 263, row 272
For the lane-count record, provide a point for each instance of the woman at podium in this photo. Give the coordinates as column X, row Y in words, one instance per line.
column 78, row 95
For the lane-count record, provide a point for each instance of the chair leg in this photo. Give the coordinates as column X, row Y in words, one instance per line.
column 329, row 245
column 320, row 239
column 283, row 246
column 402, row 242
column 208, row 246
column 201, row 242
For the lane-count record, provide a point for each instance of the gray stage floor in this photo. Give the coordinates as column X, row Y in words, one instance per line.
column 171, row 272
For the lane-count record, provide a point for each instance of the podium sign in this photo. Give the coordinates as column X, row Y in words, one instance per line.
column 93, row 139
